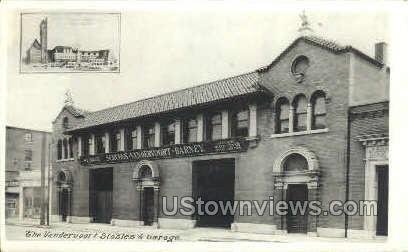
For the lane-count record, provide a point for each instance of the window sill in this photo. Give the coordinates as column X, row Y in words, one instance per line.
column 300, row 133
column 64, row 160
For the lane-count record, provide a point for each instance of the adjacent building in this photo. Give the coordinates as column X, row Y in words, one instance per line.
column 311, row 125
column 27, row 151
column 38, row 52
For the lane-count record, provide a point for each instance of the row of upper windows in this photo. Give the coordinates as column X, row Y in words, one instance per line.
column 295, row 115
column 238, row 121
column 290, row 117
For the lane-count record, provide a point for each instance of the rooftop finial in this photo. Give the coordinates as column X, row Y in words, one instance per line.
column 68, row 101
column 304, row 29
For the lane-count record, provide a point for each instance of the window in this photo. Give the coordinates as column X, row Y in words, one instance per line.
column 59, row 150
column 132, row 140
column 190, row 130
column 87, row 145
column 300, row 115
column 28, row 155
column 70, row 145
column 319, row 110
column 145, row 172
column 65, row 148
column 28, row 137
column 295, row 162
column 148, row 136
column 100, row 144
column 240, row 123
column 168, row 133
column 115, row 141
column 27, row 165
column 65, row 123
column 282, row 116
column 214, row 127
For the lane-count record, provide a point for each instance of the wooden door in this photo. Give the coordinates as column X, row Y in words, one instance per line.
column 148, row 206
column 382, row 207
column 103, row 206
column 296, row 222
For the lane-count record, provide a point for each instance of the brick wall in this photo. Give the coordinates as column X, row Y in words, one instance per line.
column 365, row 120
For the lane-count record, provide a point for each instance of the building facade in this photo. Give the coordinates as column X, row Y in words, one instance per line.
column 297, row 129
column 26, row 151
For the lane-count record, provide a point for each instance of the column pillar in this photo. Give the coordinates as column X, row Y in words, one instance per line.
column 107, row 142
column 309, row 117
column 252, row 121
column 177, row 132
column 92, row 145
column 224, row 124
column 156, row 134
column 68, row 148
column 312, row 219
column 21, row 204
column 122, row 140
column 63, row 148
column 200, row 127
column 291, row 117
column 156, row 204
column 79, row 146
column 139, row 137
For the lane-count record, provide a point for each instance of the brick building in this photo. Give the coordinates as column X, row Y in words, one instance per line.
column 300, row 128
column 26, row 151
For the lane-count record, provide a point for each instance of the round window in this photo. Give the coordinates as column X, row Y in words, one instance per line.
column 299, row 67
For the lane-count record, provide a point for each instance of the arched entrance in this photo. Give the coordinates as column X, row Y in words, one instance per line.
column 146, row 176
column 295, row 180
column 64, row 191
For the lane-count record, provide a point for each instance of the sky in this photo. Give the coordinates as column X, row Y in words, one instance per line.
column 162, row 51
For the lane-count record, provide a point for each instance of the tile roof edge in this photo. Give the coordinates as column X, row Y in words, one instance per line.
column 175, row 91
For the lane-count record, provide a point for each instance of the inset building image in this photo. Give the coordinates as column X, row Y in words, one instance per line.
column 72, row 52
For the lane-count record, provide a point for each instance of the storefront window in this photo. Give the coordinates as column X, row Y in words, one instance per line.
column 190, row 130
column 132, row 140
column 282, row 116
column 300, row 116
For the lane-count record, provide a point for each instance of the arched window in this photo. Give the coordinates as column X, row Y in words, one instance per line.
column 71, row 151
column 282, row 116
column 145, row 172
column 295, row 162
column 319, row 110
column 65, row 148
column 65, row 123
column 300, row 113
column 59, row 150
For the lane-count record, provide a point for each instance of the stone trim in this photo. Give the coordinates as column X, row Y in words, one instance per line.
column 360, row 234
column 80, row 219
column 254, row 228
column 176, row 223
column 126, row 223
column 300, row 133
column 311, row 158
column 330, row 232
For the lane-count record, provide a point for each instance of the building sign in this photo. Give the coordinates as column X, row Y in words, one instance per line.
column 174, row 151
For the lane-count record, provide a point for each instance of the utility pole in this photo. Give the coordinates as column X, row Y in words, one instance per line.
column 43, row 190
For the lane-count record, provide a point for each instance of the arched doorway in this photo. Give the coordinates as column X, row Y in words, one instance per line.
column 146, row 176
column 296, row 177
column 64, row 191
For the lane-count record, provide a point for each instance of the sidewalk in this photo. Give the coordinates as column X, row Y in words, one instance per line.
column 16, row 230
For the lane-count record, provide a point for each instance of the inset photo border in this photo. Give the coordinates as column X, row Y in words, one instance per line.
column 70, row 42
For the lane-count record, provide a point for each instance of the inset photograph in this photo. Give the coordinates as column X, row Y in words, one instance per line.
column 70, row 42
